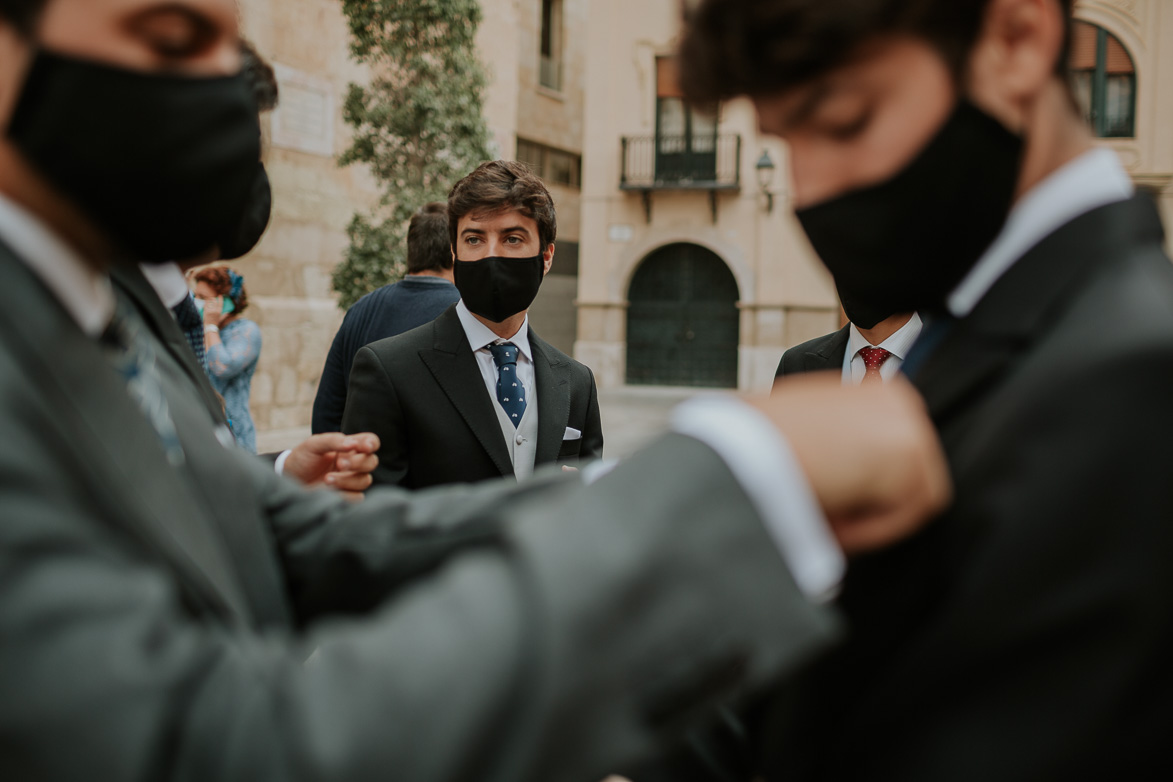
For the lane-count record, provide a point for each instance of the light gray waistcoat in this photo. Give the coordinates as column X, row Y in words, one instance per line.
column 522, row 442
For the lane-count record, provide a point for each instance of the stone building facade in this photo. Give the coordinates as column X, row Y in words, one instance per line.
column 678, row 260
column 671, row 197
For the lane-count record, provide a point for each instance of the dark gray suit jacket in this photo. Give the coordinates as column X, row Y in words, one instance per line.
column 137, row 290
column 156, row 620
column 423, row 394
column 817, row 355
column 1027, row 633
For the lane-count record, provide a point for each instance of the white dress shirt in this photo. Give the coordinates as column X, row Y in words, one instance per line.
column 168, row 281
column 83, row 291
column 854, row 367
column 481, row 336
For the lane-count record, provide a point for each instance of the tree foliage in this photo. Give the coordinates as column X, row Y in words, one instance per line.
column 418, row 125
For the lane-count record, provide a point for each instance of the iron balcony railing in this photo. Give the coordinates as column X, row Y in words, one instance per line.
column 681, row 162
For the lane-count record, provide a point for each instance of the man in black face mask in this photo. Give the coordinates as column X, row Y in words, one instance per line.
column 861, row 354
column 940, row 165
column 477, row 394
column 160, row 591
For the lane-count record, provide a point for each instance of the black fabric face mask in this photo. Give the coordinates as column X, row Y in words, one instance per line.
column 498, row 288
column 904, row 244
column 253, row 221
column 162, row 163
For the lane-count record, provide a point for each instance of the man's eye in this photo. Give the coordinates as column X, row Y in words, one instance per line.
column 845, row 131
column 175, row 34
column 514, row 240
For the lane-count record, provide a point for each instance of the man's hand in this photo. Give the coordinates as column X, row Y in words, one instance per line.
column 871, row 455
column 340, row 461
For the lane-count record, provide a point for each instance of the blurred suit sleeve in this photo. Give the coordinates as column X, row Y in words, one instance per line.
column 549, row 631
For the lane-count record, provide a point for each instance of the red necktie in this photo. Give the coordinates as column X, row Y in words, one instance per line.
column 873, row 359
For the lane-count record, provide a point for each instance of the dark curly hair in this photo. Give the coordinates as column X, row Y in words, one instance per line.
column 427, row 240
column 222, row 281
column 260, row 76
column 765, row 47
column 500, row 186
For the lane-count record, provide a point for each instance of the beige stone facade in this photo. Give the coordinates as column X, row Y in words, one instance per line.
column 783, row 295
column 601, row 58
column 1145, row 28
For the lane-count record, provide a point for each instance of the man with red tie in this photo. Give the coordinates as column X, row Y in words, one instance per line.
column 863, row 354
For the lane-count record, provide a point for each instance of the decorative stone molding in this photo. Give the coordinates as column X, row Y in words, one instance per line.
column 1123, row 18
column 1158, row 183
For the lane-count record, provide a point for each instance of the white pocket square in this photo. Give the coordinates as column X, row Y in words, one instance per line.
column 572, row 434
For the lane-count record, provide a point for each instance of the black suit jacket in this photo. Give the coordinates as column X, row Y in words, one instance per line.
column 819, row 354
column 1026, row 634
column 422, row 393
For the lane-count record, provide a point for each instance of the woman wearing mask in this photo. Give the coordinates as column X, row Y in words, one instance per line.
column 233, row 346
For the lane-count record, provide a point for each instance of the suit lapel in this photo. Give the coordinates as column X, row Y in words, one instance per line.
column 110, row 436
column 830, row 354
column 1016, row 311
column 153, row 312
column 455, row 370
column 552, row 378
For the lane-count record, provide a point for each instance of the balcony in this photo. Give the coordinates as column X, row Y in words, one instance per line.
column 655, row 163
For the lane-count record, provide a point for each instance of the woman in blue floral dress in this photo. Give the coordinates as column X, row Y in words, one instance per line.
column 233, row 346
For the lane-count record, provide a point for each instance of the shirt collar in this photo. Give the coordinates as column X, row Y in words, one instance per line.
column 168, row 281
column 84, row 292
column 1092, row 180
column 480, row 336
column 897, row 344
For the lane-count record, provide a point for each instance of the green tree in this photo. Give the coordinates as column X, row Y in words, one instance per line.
column 418, row 125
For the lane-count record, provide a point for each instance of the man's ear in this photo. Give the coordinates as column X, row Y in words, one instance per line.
column 548, row 257
column 1014, row 59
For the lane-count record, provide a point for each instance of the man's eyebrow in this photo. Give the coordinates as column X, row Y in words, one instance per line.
column 477, row 231
column 514, row 228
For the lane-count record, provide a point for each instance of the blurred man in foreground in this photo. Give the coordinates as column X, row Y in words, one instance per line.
column 940, row 165
column 161, row 590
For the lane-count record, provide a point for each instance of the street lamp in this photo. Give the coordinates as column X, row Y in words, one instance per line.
column 765, row 169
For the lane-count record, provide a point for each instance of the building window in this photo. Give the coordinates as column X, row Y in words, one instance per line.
column 686, row 136
column 1104, row 80
column 550, row 58
column 555, row 166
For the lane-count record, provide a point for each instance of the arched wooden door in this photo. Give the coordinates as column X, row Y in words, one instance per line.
column 682, row 320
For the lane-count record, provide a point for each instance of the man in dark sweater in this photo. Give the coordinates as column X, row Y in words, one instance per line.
column 418, row 298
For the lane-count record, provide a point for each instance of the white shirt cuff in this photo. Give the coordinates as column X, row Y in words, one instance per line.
column 279, row 465
column 763, row 463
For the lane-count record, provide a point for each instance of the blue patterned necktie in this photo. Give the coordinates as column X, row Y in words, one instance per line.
column 192, row 326
column 510, row 391
column 132, row 355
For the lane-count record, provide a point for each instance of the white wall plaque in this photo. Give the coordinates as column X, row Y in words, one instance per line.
column 304, row 118
column 620, row 232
